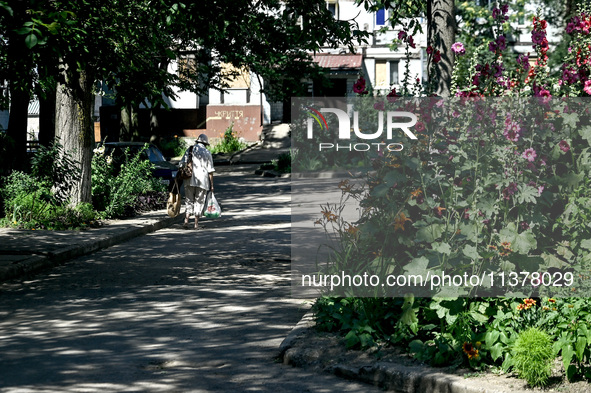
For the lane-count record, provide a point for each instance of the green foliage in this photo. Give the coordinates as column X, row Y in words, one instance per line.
column 53, row 166
column 115, row 190
column 230, row 143
column 173, row 147
column 532, row 356
column 283, row 163
column 30, row 203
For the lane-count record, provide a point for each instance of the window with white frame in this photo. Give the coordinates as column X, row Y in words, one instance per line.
column 394, row 78
column 332, row 7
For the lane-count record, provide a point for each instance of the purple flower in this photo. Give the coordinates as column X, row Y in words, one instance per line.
column 564, row 146
column 501, row 42
column 458, row 49
column 495, row 13
column 401, row 35
column 529, row 154
column 492, row 46
column 505, row 9
column 537, row 36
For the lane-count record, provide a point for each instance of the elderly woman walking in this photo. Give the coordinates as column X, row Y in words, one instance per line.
column 197, row 186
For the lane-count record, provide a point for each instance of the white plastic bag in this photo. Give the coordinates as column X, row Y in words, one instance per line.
column 212, row 207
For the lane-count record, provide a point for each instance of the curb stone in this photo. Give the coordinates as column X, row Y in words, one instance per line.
column 50, row 259
column 390, row 376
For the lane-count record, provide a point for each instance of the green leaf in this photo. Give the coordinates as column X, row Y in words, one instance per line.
column 429, row 233
column 442, row 248
column 585, row 132
column 31, row 40
column 586, row 244
column 496, row 351
column 567, row 355
column 417, row 266
column 580, row 346
column 524, row 242
column 491, row 338
column 471, row 252
column 351, row 339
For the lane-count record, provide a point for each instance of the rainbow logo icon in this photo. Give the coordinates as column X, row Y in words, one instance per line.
column 318, row 116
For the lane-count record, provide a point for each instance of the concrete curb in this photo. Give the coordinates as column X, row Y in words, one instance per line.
column 390, row 376
column 39, row 262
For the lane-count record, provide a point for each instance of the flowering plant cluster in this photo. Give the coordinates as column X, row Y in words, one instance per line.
column 496, row 184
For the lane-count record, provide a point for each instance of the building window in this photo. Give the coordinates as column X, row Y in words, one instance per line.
column 332, row 7
column 381, row 74
column 394, row 80
column 381, row 17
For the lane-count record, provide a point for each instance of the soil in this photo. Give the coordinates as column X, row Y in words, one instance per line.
column 326, row 352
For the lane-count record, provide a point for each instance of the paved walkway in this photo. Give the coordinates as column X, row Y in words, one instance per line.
column 173, row 311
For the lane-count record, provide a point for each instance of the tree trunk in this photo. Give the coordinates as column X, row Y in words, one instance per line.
column 74, row 128
column 442, row 33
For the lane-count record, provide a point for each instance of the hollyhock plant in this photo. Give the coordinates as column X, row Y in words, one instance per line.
column 359, row 86
column 529, row 154
column 564, row 146
column 458, row 49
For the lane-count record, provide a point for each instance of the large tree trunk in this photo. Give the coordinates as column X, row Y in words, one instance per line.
column 74, row 129
column 441, row 35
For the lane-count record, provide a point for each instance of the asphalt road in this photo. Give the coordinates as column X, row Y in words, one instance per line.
column 173, row 311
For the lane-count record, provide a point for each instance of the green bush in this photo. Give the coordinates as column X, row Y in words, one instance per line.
column 283, row 163
column 31, row 204
column 173, row 147
column 229, row 143
column 532, row 356
column 115, row 190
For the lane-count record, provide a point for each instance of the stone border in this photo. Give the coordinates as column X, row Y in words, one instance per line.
column 390, row 376
column 38, row 262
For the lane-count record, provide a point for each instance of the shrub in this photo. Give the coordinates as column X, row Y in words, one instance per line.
column 229, row 143
column 283, row 163
column 532, row 356
column 115, row 192
column 173, row 147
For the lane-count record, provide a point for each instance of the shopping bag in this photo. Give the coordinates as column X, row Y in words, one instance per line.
column 212, row 207
column 173, row 205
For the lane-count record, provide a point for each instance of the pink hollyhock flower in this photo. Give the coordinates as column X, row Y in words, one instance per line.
column 458, row 49
column 564, row 146
column 587, row 87
column 401, row 35
column 411, row 42
column 529, row 154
